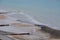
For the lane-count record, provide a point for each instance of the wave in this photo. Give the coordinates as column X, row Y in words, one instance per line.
column 30, row 19
column 22, row 17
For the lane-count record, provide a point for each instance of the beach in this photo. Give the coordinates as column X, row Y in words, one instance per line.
column 38, row 34
column 38, row 19
column 24, row 28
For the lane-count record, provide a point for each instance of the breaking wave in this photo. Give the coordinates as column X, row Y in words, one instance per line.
column 22, row 17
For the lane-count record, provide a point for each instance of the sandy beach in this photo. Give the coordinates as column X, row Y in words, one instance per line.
column 35, row 32
column 37, row 35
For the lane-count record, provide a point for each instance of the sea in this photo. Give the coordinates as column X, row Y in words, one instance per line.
column 44, row 11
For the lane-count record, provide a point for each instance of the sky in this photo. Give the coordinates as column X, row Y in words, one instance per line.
column 46, row 11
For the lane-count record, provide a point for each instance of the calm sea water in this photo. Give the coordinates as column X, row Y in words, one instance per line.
column 45, row 11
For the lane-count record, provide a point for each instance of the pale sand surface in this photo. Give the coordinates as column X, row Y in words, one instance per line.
column 2, row 17
column 38, row 34
column 22, row 24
